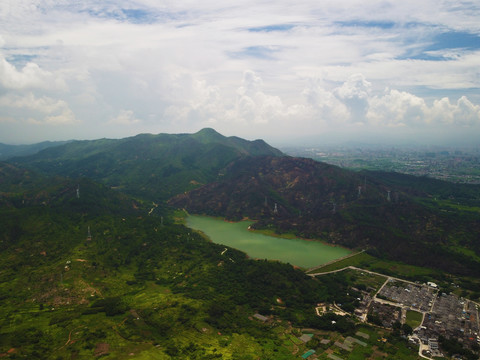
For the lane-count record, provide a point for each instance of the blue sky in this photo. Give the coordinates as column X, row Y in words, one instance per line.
column 278, row 70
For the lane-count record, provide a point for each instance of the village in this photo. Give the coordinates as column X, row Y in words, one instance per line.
column 422, row 308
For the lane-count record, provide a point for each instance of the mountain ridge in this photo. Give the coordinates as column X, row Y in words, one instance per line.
column 146, row 165
column 358, row 210
column 8, row 151
column 99, row 272
column 209, row 173
column 91, row 270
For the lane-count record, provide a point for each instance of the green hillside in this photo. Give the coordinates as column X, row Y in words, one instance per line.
column 90, row 268
column 416, row 220
column 94, row 276
column 152, row 167
column 9, row 151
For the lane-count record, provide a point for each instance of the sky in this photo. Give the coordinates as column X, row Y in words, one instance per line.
column 288, row 72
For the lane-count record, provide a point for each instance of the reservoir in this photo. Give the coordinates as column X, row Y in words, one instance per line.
column 297, row 252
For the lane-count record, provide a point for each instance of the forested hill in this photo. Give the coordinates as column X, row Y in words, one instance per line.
column 8, row 151
column 148, row 166
column 22, row 189
column 388, row 213
column 91, row 273
column 416, row 220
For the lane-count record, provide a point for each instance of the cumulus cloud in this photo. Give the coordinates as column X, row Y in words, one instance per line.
column 51, row 111
column 320, row 108
column 323, row 105
column 30, row 76
column 176, row 66
column 397, row 108
column 356, row 87
column 205, row 103
column 197, row 103
column 125, row 117
column 462, row 113
column 253, row 105
column 467, row 113
column 251, row 84
column 355, row 93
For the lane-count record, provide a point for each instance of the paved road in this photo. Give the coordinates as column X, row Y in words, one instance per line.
column 387, row 280
column 367, row 271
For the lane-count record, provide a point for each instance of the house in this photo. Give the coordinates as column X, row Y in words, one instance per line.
column 260, row 317
column 306, row 337
column 308, row 354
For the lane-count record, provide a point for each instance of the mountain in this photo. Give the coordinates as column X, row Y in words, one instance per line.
column 387, row 213
column 416, row 220
column 8, row 151
column 148, row 166
column 92, row 274
column 21, row 188
column 89, row 271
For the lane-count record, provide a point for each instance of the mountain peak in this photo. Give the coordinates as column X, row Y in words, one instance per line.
column 136, row 163
column 208, row 134
column 208, row 130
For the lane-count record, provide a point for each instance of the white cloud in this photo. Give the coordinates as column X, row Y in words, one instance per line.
column 354, row 93
column 467, row 113
column 51, row 111
column 356, row 87
column 125, row 117
column 253, row 106
column 30, row 76
column 397, row 108
column 66, row 116
column 442, row 112
column 177, row 66
column 463, row 113
column 196, row 103
column 204, row 103
column 251, row 83
column 323, row 105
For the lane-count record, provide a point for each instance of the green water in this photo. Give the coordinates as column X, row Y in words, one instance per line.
column 298, row 252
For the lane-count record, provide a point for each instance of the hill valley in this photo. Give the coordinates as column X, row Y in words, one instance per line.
column 97, row 263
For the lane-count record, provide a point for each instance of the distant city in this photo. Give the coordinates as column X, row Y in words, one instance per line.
column 445, row 163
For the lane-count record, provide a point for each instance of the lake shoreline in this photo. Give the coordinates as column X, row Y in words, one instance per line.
column 275, row 235
column 297, row 251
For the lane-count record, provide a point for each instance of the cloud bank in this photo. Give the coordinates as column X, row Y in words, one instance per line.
column 257, row 69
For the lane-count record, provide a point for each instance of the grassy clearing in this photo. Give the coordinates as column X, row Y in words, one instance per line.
column 295, row 340
column 392, row 349
column 458, row 207
column 464, row 251
column 386, row 267
column 414, row 318
column 363, row 278
column 358, row 260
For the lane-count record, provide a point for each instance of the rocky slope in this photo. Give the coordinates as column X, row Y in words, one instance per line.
column 360, row 210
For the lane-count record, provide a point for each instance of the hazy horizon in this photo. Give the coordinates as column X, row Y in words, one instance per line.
column 318, row 141
column 303, row 72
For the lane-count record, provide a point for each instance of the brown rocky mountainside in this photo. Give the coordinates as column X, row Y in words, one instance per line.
column 358, row 210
